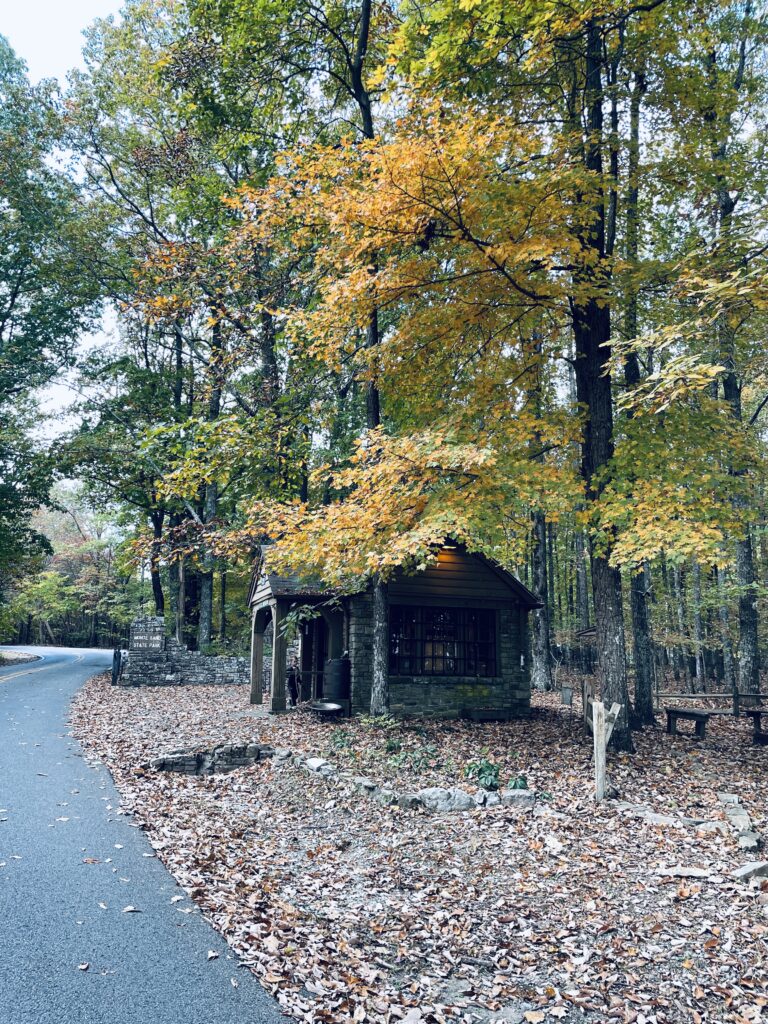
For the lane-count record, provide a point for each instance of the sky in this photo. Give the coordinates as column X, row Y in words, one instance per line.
column 47, row 34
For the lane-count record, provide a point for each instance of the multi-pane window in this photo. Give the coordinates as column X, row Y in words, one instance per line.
column 442, row 641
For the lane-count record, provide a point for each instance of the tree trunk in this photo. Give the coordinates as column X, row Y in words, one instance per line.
column 210, row 501
column 642, row 644
column 729, row 671
column 154, row 566
column 719, row 121
column 541, row 667
column 582, row 600
column 645, row 676
column 223, row 604
column 191, row 606
column 685, row 664
column 592, row 338
column 356, row 67
column 698, row 631
column 380, row 639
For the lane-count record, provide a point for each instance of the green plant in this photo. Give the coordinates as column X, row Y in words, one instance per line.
column 393, row 745
column 484, row 772
column 421, row 758
column 415, row 760
column 340, row 739
column 519, row 782
column 387, row 723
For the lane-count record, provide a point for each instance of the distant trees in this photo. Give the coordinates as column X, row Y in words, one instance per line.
column 44, row 301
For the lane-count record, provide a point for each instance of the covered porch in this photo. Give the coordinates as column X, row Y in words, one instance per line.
column 315, row 639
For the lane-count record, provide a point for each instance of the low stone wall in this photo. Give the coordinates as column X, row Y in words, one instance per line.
column 156, row 660
column 226, row 757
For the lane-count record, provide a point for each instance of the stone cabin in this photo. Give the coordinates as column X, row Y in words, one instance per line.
column 458, row 640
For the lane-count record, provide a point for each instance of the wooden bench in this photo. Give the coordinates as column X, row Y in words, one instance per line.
column 758, row 735
column 699, row 718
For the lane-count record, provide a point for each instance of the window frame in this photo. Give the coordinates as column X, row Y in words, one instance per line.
column 467, row 648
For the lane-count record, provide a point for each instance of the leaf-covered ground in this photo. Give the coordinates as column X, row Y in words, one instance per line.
column 350, row 911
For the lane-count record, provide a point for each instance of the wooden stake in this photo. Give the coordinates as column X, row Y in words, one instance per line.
column 598, row 734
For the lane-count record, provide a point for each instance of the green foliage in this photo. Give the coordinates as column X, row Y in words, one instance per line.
column 340, row 739
column 484, row 772
column 519, row 782
column 416, row 761
column 380, row 723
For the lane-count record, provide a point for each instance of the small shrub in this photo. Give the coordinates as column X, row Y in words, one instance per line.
column 484, row 772
column 393, row 745
column 519, row 782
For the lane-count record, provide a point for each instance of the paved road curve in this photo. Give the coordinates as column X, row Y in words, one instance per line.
column 55, row 811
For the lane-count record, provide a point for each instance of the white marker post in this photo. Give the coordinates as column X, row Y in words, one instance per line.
column 602, row 727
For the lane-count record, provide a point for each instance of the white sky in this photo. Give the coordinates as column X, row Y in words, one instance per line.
column 48, row 36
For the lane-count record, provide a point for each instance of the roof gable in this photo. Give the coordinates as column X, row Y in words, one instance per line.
column 456, row 573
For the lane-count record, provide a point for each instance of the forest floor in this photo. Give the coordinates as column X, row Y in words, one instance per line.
column 348, row 910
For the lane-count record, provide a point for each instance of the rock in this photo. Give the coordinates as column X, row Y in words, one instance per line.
column 438, row 799
column 282, row 754
column 365, row 785
column 728, row 798
column 410, row 801
column 713, row 826
column 681, row 871
column 664, row 819
column 518, row 798
column 750, row 841
column 386, row 797
column 638, row 810
column 480, row 798
column 553, row 844
column 314, row 764
column 492, row 800
column 752, row 869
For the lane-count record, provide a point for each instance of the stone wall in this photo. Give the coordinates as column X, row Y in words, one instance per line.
column 156, row 660
column 504, row 696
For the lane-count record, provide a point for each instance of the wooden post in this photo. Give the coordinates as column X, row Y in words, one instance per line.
column 599, row 738
column 257, row 661
column 279, row 657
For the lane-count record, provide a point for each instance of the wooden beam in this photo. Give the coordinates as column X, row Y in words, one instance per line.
column 610, row 720
column 279, row 658
column 257, row 661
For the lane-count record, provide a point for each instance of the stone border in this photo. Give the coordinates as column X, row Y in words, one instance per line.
column 226, row 757
column 436, row 799
column 740, row 822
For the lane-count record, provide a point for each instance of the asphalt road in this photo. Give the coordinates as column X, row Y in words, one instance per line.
column 57, row 911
